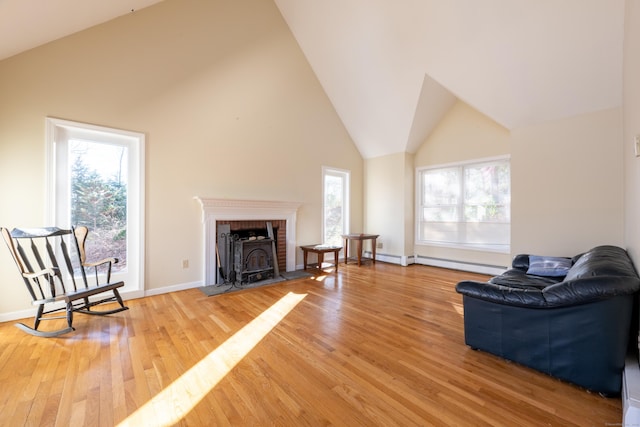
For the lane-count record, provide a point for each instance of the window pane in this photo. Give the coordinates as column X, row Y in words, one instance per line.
column 486, row 213
column 441, row 186
column 487, row 234
column 485, row 183
column 440, row 213
column 335, row 193
column 444, row 232
column 487, row 192
column 98, row 179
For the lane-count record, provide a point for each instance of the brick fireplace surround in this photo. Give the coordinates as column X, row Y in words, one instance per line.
column 282, row 215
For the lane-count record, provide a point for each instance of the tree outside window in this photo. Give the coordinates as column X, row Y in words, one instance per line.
column 99, row 198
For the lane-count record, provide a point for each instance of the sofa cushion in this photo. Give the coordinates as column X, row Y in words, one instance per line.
column 548, row 266
column 516, row 278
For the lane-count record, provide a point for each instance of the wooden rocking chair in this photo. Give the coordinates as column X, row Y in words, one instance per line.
column 45, row 262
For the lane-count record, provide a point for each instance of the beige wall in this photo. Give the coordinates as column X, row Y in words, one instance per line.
column 389, row 208
column 566, row 180
column 229, row 106
column 567, row 185
column 463, row 134
column 632, row 128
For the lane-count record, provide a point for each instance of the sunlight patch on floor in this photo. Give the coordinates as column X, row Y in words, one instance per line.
column 170, row 405
column 458, row 308
column 320, row 277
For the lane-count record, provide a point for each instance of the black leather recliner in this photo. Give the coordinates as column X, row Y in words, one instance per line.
column 574, row 327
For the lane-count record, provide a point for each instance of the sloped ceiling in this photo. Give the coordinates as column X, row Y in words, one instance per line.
column 393, row 69
column 25, row 24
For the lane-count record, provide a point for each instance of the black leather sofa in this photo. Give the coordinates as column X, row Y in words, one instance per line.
column 574, row 324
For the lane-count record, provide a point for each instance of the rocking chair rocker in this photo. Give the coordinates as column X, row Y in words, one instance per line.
column 45, row 262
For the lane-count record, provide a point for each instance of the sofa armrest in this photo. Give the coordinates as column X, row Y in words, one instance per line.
column 521, row 262
column 499, row 294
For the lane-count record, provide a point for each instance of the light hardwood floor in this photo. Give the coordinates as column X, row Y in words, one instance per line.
column 376, row 345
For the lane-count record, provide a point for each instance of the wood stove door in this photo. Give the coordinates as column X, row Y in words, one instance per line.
column 254, row 260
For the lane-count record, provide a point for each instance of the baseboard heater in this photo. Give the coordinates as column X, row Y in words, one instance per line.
column 460, row 265
column 402, row 260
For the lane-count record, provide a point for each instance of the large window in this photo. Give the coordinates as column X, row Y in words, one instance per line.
column 466, row 205
column 96, row 180
column 335, row 218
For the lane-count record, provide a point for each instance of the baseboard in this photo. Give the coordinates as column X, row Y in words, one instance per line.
column 20, row 314
column 173, row 288
column 460, row 265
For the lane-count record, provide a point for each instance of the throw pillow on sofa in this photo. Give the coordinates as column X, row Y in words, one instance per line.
column 548, row 266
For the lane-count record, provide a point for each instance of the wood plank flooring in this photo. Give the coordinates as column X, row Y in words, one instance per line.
column 376, row 345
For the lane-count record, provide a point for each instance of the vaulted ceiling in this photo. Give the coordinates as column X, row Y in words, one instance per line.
column 25, row 24
column 393, row 69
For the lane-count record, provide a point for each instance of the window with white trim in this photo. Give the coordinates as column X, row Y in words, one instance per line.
column 335, row 205
column 465, row 205
column 96, row 179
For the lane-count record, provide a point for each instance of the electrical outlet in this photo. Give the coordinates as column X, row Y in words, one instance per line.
column 636, row 145
column 379, row 245
column 185, row 263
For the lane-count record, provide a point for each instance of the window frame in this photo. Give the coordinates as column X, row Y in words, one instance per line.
column 420, row 206
column 345, row 175
column 58, row 132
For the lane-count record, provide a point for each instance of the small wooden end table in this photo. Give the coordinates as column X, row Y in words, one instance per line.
column 359, row 238
column 320, row 250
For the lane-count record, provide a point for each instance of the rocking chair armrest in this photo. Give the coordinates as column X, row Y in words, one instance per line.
column 51, row 271
column 102, row 261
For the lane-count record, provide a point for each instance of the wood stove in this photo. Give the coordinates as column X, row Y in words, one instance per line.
column 253, row 260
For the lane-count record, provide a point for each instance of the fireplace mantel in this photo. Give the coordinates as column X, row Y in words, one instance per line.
column 238, row 210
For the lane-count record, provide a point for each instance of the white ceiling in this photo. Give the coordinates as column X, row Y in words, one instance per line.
column 519, row 62
column 393, row 69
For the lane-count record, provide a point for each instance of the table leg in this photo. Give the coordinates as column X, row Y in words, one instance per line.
column 304, row 257
column 320, row 260
column 373, row 250
column 359, row 245
column 346, row 250
column 335, row 254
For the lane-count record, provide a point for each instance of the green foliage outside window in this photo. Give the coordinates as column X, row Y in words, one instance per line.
column 100, row 203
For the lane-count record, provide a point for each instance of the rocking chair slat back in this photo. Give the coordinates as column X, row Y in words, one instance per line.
column 46, row 259
column 38, row 250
